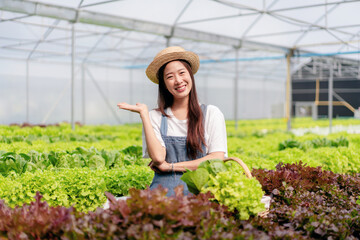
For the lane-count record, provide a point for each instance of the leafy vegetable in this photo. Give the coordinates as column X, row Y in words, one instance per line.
column 228, row 185
column 83, row 188
column 145, row 215
column 80, row 157
column 237, row 192
column 213, row 166
column 195, row 180
column 290, row 143
column 314, row 143
column 320, row 204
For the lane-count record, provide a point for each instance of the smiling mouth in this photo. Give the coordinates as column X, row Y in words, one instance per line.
column 180, row 88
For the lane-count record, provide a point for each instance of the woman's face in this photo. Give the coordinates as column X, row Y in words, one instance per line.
column 177, row 79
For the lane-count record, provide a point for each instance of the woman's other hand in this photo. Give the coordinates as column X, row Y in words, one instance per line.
column 162, row 167
column 138, row 108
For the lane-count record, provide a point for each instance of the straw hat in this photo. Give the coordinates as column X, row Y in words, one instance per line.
column 170, row 54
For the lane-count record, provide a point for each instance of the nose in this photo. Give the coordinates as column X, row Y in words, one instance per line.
column 178, row 79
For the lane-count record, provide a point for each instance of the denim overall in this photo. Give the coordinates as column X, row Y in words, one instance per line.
column 175, row 152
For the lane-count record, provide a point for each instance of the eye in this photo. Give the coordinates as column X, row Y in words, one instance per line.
column 169, row 77
column 182, row 72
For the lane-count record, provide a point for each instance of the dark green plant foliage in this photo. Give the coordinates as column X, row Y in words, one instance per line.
column 290, row 143
column 10, row 161
column 134, row 151
column 314, row 143
column 323, row 142
column 78, row 158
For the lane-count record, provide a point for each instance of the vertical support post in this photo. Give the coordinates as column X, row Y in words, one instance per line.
column 330, row 95
column 27, row 91
column 83, row 93
column 168, row 39
column 236, row 80
column 263, row 94
column 288, row 90
column 317, row 92
column 72, row 74
column 131, row 98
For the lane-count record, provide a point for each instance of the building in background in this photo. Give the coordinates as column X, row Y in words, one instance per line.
column 310, row 88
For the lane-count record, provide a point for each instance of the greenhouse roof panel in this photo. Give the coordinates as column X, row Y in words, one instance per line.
column 139, row 28
column 152, row 11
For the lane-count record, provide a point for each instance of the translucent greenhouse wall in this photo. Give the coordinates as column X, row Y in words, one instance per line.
column 50, row 101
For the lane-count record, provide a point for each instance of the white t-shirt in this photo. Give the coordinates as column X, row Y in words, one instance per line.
column 215, row 129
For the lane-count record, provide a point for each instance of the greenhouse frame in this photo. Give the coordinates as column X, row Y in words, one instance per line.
column 252, row 133
column 75, row 61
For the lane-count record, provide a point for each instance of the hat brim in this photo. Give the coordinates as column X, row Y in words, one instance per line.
column 154, row 66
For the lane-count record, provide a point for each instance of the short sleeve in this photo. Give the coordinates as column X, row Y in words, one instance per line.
column 155, row 119
column 215, row 129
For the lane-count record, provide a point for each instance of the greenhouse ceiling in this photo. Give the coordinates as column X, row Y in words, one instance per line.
column 124, row 33
column 245, row 44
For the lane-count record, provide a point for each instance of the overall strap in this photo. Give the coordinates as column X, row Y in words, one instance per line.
column 163, row 125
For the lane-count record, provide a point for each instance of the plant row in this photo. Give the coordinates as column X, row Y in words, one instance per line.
column 314, row 143
column 122, row 131
column 83, row 188
column 307, row 203
column 92, row 158
column 339, row 153
column 268, row 125
column 29, row 139
column 244, row 128
column 255, row 152
column 314, row 203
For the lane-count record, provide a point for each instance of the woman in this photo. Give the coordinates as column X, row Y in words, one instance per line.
column 180, row 133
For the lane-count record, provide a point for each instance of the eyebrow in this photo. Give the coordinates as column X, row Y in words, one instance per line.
column 172, row 72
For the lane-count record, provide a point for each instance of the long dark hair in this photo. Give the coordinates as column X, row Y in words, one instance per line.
column 195, row 133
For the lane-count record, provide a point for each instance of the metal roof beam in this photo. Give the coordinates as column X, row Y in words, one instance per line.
column 300, row 31
column 257, row 19
column 13, row 19
column 256, row 12
column 98, row 3
column 83, row 16
column 290, row 20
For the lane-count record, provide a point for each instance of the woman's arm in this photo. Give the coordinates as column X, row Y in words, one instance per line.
column 182, row 166
column 156, row 151
column 193, row 165
column 217, row 144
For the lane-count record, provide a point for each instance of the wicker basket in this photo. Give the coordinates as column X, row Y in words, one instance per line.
column 249, row 175
column 242, row 164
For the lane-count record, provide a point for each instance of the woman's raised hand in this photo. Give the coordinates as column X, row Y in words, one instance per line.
column 138, row 108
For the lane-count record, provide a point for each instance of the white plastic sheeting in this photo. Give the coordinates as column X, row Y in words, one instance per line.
column 115, row 40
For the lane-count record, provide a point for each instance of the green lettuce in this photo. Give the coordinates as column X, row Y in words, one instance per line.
column 228, row 184
column 195, row 180
column 237, row 192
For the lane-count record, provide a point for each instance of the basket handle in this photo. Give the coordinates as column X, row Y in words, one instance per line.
column 242, row 164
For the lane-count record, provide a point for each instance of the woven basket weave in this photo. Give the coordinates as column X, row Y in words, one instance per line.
column 242, row 164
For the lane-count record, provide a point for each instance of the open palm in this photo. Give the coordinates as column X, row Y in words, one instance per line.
column 138, row 107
